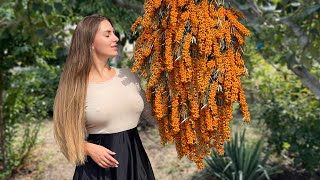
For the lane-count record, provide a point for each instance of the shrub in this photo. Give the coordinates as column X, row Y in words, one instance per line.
column 27, row 102
column 292, row 114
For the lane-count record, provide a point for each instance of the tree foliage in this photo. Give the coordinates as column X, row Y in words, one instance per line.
column 32, row 33
column 292, row 115
column 288, row 110
column 287, row 33
column 286, row 36
column 121, row 13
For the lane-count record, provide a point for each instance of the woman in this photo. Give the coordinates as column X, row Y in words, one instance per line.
column 97, row 108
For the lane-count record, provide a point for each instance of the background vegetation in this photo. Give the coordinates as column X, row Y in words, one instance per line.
column 283, row 58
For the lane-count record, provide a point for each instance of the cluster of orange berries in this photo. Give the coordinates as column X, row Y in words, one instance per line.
column 191, row 54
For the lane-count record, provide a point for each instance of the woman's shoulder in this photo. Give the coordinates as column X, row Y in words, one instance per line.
column 126, row 72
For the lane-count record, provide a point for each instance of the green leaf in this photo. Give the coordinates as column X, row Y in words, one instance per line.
column 308, row 11
column 239, row 161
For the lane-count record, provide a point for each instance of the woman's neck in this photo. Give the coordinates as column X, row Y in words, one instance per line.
column 100, row 70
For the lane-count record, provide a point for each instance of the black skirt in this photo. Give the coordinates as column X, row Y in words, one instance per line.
column 133, row 160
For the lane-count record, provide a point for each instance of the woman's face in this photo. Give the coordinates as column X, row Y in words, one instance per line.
column 105, row 41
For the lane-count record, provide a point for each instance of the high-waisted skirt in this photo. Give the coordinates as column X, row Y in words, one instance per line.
column 133, row 161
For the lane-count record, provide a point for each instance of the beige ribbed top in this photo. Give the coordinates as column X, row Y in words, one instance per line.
column 117, row 104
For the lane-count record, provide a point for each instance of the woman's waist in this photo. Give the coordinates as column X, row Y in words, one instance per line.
column 110, row 127
column 110, row 139
column 131, row 130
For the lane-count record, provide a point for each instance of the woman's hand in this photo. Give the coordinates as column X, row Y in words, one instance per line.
column 101, row 155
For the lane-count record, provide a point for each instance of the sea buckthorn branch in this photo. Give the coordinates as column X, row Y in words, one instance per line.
column 191, row 54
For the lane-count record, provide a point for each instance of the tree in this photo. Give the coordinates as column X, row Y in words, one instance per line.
column 287, row 33
column 24, row 26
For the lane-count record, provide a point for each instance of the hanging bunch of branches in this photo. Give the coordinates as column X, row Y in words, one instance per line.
column 191, row 54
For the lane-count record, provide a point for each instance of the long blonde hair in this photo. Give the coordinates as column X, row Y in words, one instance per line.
column 69, row 103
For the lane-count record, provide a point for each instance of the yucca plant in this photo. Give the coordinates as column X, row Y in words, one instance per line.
column 241, row 162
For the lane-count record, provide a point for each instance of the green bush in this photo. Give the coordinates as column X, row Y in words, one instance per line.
column 292, row 115
column 239, row 162
column 26, row 104
column 289, row 112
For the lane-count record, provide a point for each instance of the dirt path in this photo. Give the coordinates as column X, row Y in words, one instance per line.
column 47, row 162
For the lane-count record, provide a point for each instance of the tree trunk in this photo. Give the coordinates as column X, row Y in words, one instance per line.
column 304, row 75
column 2, row 126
